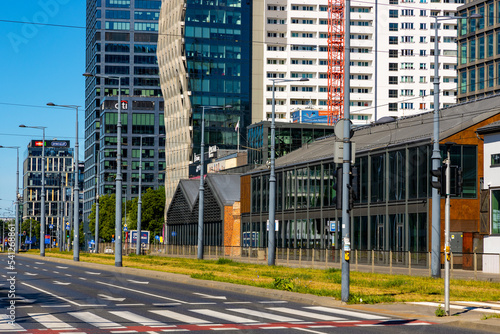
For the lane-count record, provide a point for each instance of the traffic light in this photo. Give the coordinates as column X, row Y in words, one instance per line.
column 338, row 188
column 440, row 184
column 353, row 186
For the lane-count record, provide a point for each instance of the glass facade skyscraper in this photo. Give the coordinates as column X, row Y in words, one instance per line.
column 205, row 57
column 121, row 42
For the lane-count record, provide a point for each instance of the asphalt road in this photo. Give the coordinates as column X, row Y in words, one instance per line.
column 52, row 297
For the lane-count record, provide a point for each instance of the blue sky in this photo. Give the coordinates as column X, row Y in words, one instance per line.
column 39, row 64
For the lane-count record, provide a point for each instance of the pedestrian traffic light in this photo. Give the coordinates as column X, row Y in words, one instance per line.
column 440, row 184
column 338, row 188
column 353, row 186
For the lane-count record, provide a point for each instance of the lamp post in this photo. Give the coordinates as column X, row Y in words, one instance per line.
column 96, row 238
column 202, row 162
column 76, row 188
column 16, row 243
column 436, row 154
column 139, row 201
column 118, row 190
column 272, row 179
column 42, row 215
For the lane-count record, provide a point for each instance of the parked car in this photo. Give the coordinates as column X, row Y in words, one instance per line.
column 108, row 250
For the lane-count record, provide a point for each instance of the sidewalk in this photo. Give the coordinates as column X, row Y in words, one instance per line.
column 464, row 314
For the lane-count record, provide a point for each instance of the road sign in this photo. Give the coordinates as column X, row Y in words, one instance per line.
column 174, row 233
column 51, row 226
column 157, row 237
column 125, row 229
column 28, row 242
column 333, row 226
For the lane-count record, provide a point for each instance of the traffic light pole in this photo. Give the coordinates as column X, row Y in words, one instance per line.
column 346, row 243
column 447, row 234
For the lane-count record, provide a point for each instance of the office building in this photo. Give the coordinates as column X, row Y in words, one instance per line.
column 204, row 53
column 59, row 179
column 391, row 65
column 479, row 51
column 121, row 42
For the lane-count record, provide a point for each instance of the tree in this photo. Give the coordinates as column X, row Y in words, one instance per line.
column 107, row 204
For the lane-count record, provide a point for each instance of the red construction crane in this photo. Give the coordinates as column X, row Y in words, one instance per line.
column 335, row 60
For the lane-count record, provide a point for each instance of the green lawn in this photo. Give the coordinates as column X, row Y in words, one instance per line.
column 364, row 287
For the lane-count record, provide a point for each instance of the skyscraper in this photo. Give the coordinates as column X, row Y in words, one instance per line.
column 121, row 42
column 204, row 54
column 58, row 185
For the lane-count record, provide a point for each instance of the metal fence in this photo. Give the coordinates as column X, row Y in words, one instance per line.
column 463, row 265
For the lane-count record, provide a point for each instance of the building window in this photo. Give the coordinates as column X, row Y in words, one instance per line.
column 393, row 66
column 481, row 47
column 393, row 40
column 472, row 50
column 472, row 80
column 463, row 82
column 393, row 107
column 393, row 13
column 491, row 75
column 495, row 211
column 393, row 53
column 393, row 93
column 393, row 27
column 480, row 79
column 393, row 80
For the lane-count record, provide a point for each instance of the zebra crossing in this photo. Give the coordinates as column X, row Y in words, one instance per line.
column 196, row 319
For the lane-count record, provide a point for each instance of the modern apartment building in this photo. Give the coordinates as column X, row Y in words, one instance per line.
column 391, row 65
column 121, row 42
column 479, row 50
column 58, row 184
column 204, row 53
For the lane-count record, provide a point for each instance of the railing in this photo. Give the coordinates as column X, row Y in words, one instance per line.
column 463, row 265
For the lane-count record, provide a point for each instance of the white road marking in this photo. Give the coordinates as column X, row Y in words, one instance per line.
column 115, row 299
column 61, row 267
column 61, row 283
column 263, row 315
column 6, row 327
column 31, row 274
column 82, row 278
column 480, row 304
column 166, row 304
column 305, row 314
column 49, row 321
column 50, row 306
column 308, row 330
column 138, row 318
column 96, row 320
column 180, row 317
column 362, row 315
column 137, row 282
column 138, row 304
column 62, row 298
column 40, row 262
column 92, row 273
column 209, row 296
column 141, row 292
column 229, row 303
column 273, row 302
column 224, row 316
column 55, row 272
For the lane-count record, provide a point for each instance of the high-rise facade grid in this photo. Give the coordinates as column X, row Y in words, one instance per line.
column 121, row 42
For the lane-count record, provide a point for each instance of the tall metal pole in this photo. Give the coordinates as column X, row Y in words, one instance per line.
column 76, row 240
column 118, row 210
column 139, row 204
column 201, row 194
column 97, row 204
column 271, row 258
column 447, row 236
column 16, row 202
column 42, row 218
column 346, row 159
column 436, row 160
column 271, row 244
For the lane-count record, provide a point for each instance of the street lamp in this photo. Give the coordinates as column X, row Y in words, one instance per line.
column 118, row 190
column 436, row 154
column 202, row 162
column 272, row 180
column 76, row 188
column 139, row 201
column 16, row 243
column 42, row 216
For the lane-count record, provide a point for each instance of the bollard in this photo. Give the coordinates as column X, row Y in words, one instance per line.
column 356, row 256
column 409, row 263
column 287, row 255
column 429, row 263
column 300, row 257
column 390, row 262
column 373, row 261
column 451, row 265
column 313, row 258
column 475, row 266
